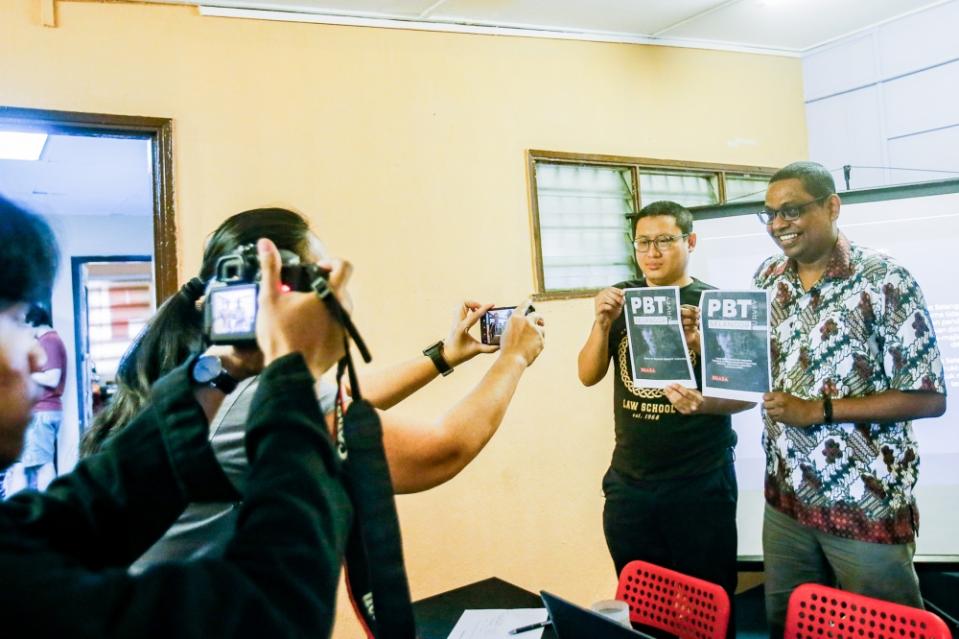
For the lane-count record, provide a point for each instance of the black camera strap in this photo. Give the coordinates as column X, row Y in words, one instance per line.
column 375, row 572
column 325, row 292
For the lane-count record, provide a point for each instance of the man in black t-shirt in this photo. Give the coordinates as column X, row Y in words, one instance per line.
column 671, row 487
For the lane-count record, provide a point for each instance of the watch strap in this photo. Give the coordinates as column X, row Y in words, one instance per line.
column 435, row 353
column 225, row 383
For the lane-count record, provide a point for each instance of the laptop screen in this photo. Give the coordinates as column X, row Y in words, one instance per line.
column 574, row 622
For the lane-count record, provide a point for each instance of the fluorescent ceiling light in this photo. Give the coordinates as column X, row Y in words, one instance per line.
column 16, row 145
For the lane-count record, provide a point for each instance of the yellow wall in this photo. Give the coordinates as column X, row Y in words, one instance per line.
column 406, row 149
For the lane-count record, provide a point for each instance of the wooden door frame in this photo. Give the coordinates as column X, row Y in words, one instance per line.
column 160, row 132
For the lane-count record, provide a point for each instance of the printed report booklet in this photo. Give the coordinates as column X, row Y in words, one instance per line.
column 657, row 347
column 735, row 344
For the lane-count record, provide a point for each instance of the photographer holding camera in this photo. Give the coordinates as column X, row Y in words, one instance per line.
column 64, row 554
column 421, row 453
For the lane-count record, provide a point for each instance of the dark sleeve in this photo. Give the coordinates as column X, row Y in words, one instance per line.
column 278, row 577
column 115, row 504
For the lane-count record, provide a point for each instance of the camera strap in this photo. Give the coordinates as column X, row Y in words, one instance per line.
column 375, row 573
column 324, row 291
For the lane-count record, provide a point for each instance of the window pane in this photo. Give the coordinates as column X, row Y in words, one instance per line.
column 746, row 188
column 117, row 312
column 686, row 187
column 583, row 225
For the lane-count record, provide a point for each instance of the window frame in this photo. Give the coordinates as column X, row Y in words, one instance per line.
column 635, row 165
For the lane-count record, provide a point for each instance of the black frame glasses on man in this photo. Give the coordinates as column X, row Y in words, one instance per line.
column 662, row 242
column 789, row 212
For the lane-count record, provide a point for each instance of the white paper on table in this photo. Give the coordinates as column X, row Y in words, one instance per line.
column 496, row 624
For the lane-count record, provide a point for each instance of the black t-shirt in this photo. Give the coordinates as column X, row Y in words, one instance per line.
column 653, row 440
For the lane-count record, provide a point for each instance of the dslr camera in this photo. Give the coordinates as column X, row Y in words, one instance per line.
column 229, row 311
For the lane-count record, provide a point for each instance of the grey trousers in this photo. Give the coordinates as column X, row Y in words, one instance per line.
column 794, row 554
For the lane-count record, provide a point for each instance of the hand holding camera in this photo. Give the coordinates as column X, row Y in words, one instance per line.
column 524, row 336
column 295, row 322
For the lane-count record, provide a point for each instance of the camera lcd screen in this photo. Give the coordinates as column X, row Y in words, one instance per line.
column 493, row 323
column 233, row 312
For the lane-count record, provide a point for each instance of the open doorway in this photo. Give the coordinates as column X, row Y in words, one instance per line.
column 104, row 183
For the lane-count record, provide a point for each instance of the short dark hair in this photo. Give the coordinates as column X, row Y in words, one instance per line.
column 39, row 315
column 816, row 180
column 684, row 219
column 28, row 256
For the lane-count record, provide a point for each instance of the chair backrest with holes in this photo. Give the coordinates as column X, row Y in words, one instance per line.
column 823, row 612
column 685, row 606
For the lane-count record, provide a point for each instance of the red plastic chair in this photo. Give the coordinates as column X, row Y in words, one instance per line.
column 685, row 606
column 827, row 613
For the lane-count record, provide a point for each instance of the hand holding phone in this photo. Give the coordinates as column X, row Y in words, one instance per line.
column 524, row 337
column 493, row 323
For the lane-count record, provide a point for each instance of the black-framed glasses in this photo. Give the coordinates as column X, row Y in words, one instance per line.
column 789, row 213
column 662, row 242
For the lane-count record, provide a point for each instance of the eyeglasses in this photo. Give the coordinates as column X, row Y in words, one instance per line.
column 788, row 213
column 662, row 242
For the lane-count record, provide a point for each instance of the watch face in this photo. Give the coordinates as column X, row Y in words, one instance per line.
column 207, row 368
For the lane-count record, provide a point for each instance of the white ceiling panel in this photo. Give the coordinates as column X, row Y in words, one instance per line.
column 610, row 16
column 794, row 25
column 400, row 9
column 786, row 27
column 83, row 175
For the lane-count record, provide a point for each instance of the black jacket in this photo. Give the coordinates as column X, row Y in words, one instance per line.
column 64, row 554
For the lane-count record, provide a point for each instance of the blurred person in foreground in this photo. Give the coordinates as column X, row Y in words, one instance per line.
column 64, row 553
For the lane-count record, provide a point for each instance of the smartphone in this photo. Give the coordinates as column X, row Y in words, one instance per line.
column 231, row 314
column 493, row 323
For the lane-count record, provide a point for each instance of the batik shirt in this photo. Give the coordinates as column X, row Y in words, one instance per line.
column 862, row 329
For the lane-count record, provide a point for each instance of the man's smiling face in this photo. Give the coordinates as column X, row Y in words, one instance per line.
column 811, row 236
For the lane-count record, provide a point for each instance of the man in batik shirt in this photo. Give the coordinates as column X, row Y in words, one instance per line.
column 854, row 360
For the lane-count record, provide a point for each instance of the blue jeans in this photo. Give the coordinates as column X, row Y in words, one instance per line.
column 686, row 524
column 40, row 440
column 794, row 554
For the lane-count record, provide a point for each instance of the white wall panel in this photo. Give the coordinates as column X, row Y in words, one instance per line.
column 905, row 114
column 846, row 129
column 935, row 150
column 841, row 67
column 922, row 101
column 919, row 41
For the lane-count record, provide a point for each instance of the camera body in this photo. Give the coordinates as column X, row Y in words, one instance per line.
column 230, row 307
column 493, row 323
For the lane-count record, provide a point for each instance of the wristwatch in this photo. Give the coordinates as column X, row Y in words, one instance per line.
column 208, row 371
column 435, row 353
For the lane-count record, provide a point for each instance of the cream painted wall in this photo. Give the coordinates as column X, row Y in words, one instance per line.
column 406, row 149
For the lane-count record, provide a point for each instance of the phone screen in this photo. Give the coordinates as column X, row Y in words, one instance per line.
column 233, row 313
column 493, row 323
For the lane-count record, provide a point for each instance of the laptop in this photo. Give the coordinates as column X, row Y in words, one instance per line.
column 573, row 622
